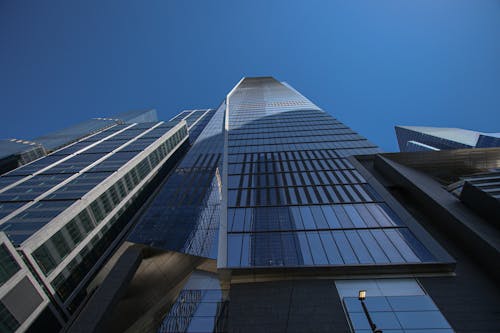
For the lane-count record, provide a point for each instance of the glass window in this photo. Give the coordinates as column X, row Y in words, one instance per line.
column 332, row 252
column 312, row 195
column 8, row 323
column 401, row 245
column 354, row 216
column 416, row 245
column 408, row 313
column 422, row 320
column 248, row 219
column 391, row 216
column 8, row 265
column 307, row 218
column 292, row 195
column 238, row 220
column 245, row 251
column 233, row 181
column 343, row 195
column 390, row 251
column 344, row 247
column 234, row 243
column 317, row 251
column 302, row 194
column 412, row 303
column 323, row 195
column 343, row 218
column 358, row 247
column 304, row 249
column 232, row 194
column 296, row 218
column 320, row 220
column 330, row 216
column 8, row 207
column 373, row 247
column 366, row 216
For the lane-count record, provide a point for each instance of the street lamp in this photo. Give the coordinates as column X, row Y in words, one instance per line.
column 362, row 297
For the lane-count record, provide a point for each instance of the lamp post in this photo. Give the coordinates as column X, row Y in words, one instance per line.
column 362, row 297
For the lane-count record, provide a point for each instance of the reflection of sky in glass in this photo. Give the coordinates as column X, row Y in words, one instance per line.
column 185, row 214
column 397, row 314
column 293, row 197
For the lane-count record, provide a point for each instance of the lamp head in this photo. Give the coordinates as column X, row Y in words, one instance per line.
column 362, row 295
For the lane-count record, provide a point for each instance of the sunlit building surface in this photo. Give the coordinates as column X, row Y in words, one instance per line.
column 265, row 214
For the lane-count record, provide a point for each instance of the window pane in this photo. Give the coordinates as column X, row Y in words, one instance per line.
column 422, row 320
column 304, row 248
column 234, row 249
column 318, row 253
column 358, row 246
column 307, row 218
column 345, row 248
column 332, row 252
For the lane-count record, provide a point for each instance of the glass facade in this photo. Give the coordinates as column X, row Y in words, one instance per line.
column 184, row 215
column 199, row 308
column 394, row 305
column 266, row 184
column 46, row 187
column 416, row 138
column 293, row 198
column 274, row 169
column 65, row 210
column 15, row 152
column 408, row 314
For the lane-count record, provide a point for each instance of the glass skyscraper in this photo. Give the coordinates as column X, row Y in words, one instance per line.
column 268, row 194
column 292, row 197
column 63, row 214
column 419, row 138
column 17, row 152
column 265, row 214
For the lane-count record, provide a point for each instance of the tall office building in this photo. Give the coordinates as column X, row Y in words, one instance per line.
column 17, row 152
column 418, row 138
column 275, row 219
column 270, row 223
column 302, row 231
column 63, row 214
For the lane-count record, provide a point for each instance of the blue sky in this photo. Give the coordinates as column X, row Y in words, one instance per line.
column 371, row 64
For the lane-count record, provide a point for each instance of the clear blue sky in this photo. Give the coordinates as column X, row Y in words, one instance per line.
column 372, row 64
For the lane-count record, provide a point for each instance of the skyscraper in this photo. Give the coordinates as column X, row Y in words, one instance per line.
column 298, row 224
column 17, row 152
column 418, row 138
column 275, row 219
column 63, row 214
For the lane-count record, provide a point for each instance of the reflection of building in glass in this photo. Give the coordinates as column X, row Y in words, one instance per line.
column 63, row 214
column 274, row 219
column 297, row 228
column 417, row 138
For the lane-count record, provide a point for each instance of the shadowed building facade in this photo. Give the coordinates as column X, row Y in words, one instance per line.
column 420, row 138
column 62, row 215
column 279, row 214
column 300, row 227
